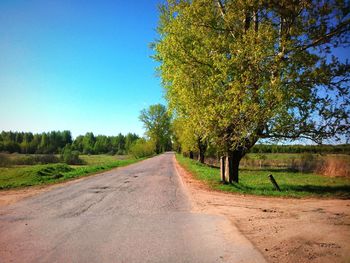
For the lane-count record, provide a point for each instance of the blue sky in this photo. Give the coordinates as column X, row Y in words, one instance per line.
column 77, row 65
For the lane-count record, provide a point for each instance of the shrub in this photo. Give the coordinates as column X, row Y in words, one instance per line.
column 142, row 148
column 70, row 157
column 4, row 160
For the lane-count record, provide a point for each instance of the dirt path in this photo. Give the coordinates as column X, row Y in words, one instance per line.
column 284, row 230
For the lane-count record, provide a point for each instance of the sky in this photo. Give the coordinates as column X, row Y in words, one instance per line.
column 82, row 66
column 79, row 65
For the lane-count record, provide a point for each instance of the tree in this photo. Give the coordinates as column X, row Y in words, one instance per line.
column 130, row 138
column 142, row 148
column 101, row 144
column 188, row 138
column 88, row 143
column 157, row 122
column 70, row 156
column 78, row 144
column 248, row 70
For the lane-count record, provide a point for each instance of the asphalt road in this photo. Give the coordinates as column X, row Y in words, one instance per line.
column 139, row 213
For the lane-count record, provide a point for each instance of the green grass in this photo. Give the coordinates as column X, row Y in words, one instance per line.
column 23, row 176
column 256, row 182
column 102, row 159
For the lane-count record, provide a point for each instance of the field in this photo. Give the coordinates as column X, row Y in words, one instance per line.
column 14, row 176
column 254, row 178
column 323, row 164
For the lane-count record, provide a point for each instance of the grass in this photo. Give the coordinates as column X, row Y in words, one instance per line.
column 256, row 182
column 102, row 159
column 23, row 176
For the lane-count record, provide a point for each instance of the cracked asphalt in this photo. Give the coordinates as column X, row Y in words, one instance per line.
column 138, row 213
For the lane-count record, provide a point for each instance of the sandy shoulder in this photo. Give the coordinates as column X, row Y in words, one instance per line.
column 283, row 230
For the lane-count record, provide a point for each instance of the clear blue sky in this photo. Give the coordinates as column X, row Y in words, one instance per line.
column 77, row 65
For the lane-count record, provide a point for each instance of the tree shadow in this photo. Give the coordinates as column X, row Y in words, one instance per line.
column 271, row 170
column 341, row 191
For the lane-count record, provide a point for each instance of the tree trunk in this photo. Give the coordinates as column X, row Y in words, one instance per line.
column 202, row 147
column 228, row 170
column 222, row 169
column 233, row 159
column 201, row 157
column 236, row 158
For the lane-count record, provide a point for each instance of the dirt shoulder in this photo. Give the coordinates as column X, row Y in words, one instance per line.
column 284, row 230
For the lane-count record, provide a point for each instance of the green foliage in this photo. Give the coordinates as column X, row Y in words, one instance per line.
column 70, row 156
column 256, row 182
column 142, row 148
column 184, row 135
column 54, row 142
column 157, row 122
column 27, row 142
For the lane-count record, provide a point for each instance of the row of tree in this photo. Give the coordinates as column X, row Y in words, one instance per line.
column 54, row 142
column 327, row 149
column 236, row 72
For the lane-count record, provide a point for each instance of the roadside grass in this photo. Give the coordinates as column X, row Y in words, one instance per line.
column 102, row 158
column 256, row 181
column 23, row 176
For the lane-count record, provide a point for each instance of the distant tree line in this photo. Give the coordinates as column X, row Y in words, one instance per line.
column 270, row 148
column 55, row 142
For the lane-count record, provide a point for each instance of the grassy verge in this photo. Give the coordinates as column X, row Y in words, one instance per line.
column 22, row 176
column 256, row 182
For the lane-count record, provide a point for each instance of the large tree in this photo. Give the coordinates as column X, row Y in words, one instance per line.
column 248, row 70
column 157, row 122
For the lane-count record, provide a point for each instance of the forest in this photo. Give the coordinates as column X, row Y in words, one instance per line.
column 54, row 142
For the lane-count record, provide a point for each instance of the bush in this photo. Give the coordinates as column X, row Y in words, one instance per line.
column 142, row 148
column 70, row 157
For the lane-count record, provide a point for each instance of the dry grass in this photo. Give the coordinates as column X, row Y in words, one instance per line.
column 334, row 167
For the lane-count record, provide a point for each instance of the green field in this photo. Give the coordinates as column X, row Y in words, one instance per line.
column 255, row 181
column 30, row 175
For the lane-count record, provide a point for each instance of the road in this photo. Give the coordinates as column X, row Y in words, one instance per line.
column 138, row 213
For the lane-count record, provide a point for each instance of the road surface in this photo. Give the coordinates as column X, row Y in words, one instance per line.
column 139, row 213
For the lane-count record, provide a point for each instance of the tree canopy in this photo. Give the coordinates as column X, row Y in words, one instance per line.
column 157, row 123
column 240, row 71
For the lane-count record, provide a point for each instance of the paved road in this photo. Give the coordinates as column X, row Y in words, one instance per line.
column 139, row 213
